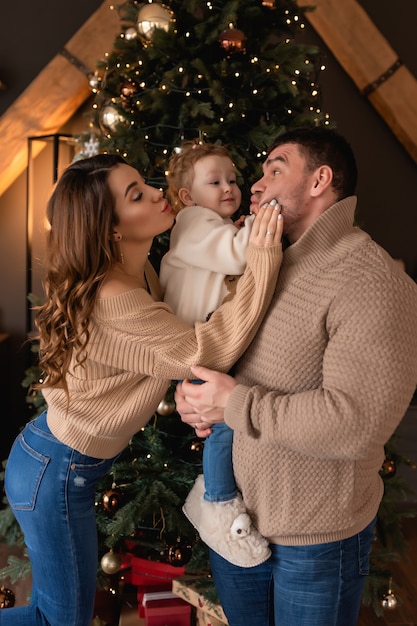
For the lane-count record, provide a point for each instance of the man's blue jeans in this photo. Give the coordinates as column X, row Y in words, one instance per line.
column 319, row 585
column 51, row 489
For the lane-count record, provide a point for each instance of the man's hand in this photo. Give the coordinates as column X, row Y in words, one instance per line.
column 201, row 406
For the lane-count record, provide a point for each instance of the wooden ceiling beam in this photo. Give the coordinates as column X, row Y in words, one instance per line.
column 55, row 94
column 369, row 60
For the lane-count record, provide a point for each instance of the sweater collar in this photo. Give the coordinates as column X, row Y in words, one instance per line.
column 325, row 238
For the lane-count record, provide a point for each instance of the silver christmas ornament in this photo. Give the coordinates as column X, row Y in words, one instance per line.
column 151, row 16
column 111, row 120
column 131, row 33
column 389, row 601
column 111, row 563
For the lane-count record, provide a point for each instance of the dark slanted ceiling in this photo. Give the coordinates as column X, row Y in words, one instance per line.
column 58, row 90
column 56, row 93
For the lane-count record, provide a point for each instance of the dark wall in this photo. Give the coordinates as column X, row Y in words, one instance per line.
column 31, row 34
column 387, row 189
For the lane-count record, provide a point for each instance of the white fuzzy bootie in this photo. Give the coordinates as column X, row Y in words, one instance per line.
column 226, row 528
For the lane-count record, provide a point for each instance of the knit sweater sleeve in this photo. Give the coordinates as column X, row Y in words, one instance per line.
column 369, row 374
column 134, row 333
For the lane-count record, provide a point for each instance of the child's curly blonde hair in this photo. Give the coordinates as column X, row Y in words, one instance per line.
column 181, row 167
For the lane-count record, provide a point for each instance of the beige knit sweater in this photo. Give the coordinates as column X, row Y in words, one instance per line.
column 324, row 384
column 137, row 346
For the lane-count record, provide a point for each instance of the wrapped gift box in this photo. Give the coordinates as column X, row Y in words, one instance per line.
column 164, row 608
column 204, row 619
column 142, row 591
column 144, row 573
column 207, row 612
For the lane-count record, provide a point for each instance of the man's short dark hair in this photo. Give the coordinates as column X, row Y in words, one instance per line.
column 324, row 146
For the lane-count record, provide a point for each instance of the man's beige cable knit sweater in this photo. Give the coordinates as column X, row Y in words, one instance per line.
column 324, row 384
column 137, row 346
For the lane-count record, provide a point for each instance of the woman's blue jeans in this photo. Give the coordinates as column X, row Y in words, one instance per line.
column 318, row 585
column 51, row 489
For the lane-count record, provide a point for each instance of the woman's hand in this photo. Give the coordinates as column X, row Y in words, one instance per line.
column 267, row 226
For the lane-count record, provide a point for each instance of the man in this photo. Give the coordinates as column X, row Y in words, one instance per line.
column 315, row 397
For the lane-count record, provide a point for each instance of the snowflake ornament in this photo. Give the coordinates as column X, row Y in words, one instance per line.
column 91, row 147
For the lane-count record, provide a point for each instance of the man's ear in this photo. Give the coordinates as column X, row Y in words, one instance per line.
column 185, row 198
column 323, row 177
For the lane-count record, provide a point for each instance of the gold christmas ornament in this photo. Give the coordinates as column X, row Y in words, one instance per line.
column 197, row 446
column 151, row 16
column 7, row 598
column 233, row 40
column 111, row 563
column 165, row 407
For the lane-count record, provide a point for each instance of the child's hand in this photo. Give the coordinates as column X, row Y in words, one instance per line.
column 240, row 221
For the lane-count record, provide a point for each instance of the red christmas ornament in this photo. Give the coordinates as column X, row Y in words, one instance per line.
column 233, row 40
column 179, row 554
column 129, row 89
column 111, row 500
column 388, row 469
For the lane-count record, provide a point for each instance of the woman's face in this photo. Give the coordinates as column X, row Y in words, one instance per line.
column 142, row 210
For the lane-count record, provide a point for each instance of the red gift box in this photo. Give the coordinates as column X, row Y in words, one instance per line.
column 144, row 573
column 148, row 576
column 166, row 609
column 141, row 591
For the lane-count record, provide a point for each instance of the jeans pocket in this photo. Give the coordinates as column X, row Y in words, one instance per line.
column 24, row 470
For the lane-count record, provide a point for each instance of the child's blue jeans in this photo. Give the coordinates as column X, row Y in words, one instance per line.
column 219, row 479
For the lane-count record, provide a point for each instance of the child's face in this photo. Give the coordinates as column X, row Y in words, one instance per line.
column 214, row 185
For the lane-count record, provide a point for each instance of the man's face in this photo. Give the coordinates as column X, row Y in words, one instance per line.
column 285, row 178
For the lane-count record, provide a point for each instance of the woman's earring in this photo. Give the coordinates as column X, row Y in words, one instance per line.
column 117, row 237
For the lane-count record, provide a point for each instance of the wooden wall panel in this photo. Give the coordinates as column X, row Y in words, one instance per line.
column 369, row 60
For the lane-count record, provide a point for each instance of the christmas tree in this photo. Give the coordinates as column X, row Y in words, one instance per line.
column 225, row 71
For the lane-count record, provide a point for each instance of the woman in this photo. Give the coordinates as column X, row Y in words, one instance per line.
column 108, row 348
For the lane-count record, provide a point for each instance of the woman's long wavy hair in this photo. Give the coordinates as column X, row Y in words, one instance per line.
column 80, row 252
